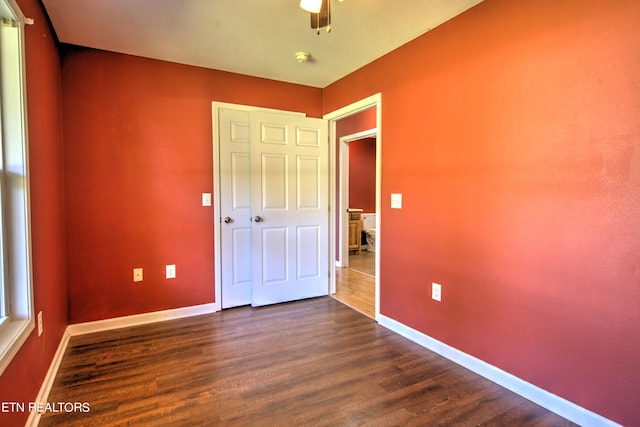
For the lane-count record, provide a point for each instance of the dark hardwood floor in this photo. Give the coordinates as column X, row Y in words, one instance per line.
column 314, row 362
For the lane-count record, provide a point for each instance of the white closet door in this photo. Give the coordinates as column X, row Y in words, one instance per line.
column 289, row 189
column 235, row 207
column 273, row 206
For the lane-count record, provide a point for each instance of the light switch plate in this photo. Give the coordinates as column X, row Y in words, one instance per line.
column 436, row 291
column 170, row 271
column 137, row 275
column 206, row 199
column 396, row 200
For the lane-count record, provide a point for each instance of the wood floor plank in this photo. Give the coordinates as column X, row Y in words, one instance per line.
column 364, row 263
column 355, row 285
column 309, row 363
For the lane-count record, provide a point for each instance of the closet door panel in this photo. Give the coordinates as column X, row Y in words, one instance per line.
column 309, row 183
column 274, row 185
column 274, row 245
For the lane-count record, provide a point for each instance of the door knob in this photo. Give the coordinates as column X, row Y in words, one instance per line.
column 258, row 218
column 227, row 220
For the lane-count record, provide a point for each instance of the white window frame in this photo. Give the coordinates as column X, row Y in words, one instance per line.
column 16, row 299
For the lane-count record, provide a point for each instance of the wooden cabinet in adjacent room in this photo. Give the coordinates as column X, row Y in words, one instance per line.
column 355, row 232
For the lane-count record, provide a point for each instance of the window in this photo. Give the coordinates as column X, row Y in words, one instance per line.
column 16, row 301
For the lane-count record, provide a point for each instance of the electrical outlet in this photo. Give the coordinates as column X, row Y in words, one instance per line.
column 436, row 291
column 137, row 275
column 40, row 325
column 170, row 271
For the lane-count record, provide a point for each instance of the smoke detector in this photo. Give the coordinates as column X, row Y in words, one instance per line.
column 302, row 57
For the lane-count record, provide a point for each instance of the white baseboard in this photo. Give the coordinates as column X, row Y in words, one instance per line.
column 550, row 401
column 105, row 325
column 45, row 388
column 139, row 319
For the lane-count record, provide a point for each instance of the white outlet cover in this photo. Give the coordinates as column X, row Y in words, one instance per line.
column 170, row 271
column 436, row 291
column 206, row 199
column 40, row 325
column 137, row 275
column 396, row 201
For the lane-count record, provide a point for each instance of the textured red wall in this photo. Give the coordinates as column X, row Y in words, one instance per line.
column 138, row 155
column 513, row 133
column 362, row 174
column 21, row 381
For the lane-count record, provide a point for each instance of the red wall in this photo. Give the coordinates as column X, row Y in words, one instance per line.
column 362, row 174
column 513, row 133
column 359, row 122
column 21, row 381
column 138, row 155
column 517, row 120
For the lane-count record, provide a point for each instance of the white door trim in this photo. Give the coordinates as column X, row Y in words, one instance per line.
column 343, row 197
column 215, row 108
column 341, row 113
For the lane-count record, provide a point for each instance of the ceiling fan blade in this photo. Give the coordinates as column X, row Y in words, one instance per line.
column 322, row 19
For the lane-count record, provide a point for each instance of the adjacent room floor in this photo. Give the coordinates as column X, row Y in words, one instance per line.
column 313, row 362
column 355, row 285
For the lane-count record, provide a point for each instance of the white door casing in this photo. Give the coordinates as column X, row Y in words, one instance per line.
column 343, row 191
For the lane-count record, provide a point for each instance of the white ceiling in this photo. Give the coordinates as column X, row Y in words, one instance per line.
column 254, row 37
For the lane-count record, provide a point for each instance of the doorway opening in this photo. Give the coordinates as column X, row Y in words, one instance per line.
column 366, row 114
column 356, row 195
